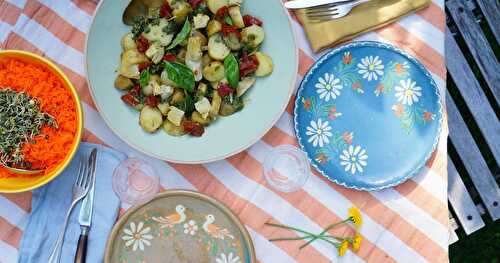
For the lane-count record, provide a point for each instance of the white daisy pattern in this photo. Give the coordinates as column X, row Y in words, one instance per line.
column 137, row 236
column 229, row 258
column 328, row 87
column 407, row 92
column 319, row 132
column 190, row 228
column 354, row 159
column 371, row 68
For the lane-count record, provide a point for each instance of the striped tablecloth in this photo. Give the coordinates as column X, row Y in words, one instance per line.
column 408, row 223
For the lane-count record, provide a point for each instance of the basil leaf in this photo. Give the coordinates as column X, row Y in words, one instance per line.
column 144, row 78
column 228, row 20
column 182, row 35
column 232, row 70
column 181, row 75
column 186, row 105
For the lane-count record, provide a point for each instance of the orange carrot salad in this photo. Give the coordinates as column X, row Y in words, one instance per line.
column 51, row 145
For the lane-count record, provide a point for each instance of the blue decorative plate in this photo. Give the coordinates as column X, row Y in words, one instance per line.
column 368, row 115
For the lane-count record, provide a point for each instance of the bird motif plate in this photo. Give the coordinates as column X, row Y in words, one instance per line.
column 180, row 226
column 368, row 115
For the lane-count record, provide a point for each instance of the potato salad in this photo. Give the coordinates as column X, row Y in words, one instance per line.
column 189, row 62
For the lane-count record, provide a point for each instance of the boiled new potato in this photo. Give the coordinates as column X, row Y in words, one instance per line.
column 164, row 108
column 129, row 71
column 217, row 49
column 215, row 5
column 235, row 14
column 122, row 82
column 213, row 27
column 133, row 56
column 180, row 11
column 128, row 42
column 227, row 109
column 150, row 119
column 214, row 71
column 265, row 64
column 196, row 116
column 253, row 35
column 193, row 51
column 173, row 130
column 216, row 102
column 177, row 97
column 232, row 41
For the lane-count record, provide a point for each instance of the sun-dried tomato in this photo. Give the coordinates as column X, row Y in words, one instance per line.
column 130, row 100
column 143, row 66
column 152, row 101
column 194, row 3
column 228, row 29
column 193, row 128
column 250, row 20
column 224, row 90
column 222, row 12
column 142, row 44
column 248, row 64
column 169, row 57
column 135, row 91
column 165, row 10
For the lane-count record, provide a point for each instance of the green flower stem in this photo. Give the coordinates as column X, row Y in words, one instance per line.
column 308, row 234
column 324, row 231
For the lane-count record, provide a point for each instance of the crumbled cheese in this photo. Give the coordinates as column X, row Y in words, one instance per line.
column 200, row 21
column 175, row 115
column 203, row 107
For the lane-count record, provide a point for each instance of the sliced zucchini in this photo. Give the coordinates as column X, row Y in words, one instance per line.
column 217, row 49
column 253, row 35
column 235, row 14
column 214, row 71
column 244, row 85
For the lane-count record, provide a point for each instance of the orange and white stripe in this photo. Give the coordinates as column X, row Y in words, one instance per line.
column 405, row 223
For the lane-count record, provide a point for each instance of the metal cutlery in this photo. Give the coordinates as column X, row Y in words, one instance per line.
column 79, row 191
column 331, row 11
column 299, row 4
column 85, row 217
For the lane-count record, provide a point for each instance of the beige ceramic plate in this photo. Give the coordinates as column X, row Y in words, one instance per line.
column 180, row 226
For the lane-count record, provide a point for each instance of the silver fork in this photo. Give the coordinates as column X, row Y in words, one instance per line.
column 80, row 190
column 332, row 11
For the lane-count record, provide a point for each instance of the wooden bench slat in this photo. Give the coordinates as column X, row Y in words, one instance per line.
column 491, row 11
column 462, row 203
column 477, row 44
column 474, row 96
column 473, row 161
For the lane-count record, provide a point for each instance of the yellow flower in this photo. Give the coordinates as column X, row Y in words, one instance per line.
column 356, row 242
column 343, row 247
column 355, row 216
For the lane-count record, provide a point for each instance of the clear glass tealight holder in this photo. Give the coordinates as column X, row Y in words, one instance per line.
column 135, row 181
column 286, row 168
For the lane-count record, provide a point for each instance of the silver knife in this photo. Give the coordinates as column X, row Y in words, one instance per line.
column 298, row 4
column 85, row 217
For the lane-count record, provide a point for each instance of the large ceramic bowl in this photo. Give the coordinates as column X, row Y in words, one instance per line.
column 27, row 183
column 267, row 100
